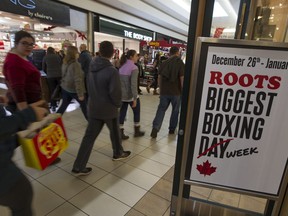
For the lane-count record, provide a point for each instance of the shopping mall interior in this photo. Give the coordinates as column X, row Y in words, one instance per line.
column 150, row 181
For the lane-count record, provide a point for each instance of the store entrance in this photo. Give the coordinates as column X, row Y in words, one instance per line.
column 45, row 36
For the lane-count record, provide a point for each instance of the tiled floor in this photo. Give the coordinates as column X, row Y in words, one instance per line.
column 140, row 185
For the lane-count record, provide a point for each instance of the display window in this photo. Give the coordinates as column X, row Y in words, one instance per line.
column 120, row 44
column 268, row 21
column 45, row 36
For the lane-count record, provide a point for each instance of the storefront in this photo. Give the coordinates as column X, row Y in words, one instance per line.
column 52, row 24
column 123, row 36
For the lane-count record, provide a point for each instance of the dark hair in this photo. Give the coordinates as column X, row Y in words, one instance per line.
column 22, row 34
column 128, row 55
column 50, row 50
column 106, row 49
column 173, row 50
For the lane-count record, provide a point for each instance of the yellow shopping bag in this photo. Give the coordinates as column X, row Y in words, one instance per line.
column 43, row 141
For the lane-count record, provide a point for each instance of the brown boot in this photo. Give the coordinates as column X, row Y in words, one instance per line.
column 123, row 136
column 138, row 132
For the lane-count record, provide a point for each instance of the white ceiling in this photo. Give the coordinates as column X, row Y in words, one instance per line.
column 172, row 15
column 169, row 17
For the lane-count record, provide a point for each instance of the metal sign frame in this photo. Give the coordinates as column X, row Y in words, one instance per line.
column 192, row 118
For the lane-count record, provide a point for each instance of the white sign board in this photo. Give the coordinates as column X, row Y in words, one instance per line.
column 242, row 133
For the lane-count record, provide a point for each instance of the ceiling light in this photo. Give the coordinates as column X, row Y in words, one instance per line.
column 219, row 11
column 8, row 18
column 22, row 17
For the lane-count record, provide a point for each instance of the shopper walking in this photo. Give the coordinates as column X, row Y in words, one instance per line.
column 103, row 103
column 171, row 75
column 154, row 84
column 72, row 82
column 21, row 76
column 84, row 59
column 129, row 84
column 51, row 65
column 16, row 191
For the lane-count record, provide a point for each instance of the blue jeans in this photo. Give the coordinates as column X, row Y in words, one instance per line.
column 123, row 111
column 67, row 98
column 165, row 100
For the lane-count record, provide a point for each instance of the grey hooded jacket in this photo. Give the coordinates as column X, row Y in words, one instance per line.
column 104, row 89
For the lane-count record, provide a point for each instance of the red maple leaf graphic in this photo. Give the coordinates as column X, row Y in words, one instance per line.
column 206, row 168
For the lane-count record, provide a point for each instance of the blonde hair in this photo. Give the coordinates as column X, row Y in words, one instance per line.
column 70, row 54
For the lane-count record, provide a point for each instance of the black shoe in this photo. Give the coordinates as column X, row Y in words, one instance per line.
column 124, row 155
column 154, row 133
column 171, row 131
column 83, row 172
column 56, row 161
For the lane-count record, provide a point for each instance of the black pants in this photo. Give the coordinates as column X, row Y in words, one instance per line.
column 52, row 84
column 93, row 129
column 19, row 197
column 155, row 81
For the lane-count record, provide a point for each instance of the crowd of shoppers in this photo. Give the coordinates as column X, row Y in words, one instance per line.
column 111, row 91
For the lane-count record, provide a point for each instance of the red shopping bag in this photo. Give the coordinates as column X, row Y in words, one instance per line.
column 43, row 141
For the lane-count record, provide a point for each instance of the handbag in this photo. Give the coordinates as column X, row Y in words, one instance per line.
column 42, row 142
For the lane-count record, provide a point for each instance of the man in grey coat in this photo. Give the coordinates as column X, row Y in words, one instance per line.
column 103, row 103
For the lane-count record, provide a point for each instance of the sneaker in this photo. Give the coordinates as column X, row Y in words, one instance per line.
column 125, row 155
column 171, row 131
column 56, row 161
column 154, row 133
column 83, row 172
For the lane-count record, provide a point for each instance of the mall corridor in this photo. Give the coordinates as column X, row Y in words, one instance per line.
column 138, row 186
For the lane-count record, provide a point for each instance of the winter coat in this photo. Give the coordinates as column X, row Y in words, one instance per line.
column 73, row 78
column 104, row 89
column 51, row 64
column 9, row 173
column 129, row 81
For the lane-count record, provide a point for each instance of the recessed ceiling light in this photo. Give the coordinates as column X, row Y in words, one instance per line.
column 22, row 17
column 8, row 18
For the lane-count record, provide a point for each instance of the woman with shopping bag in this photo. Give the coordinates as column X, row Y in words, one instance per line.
column 15, row 189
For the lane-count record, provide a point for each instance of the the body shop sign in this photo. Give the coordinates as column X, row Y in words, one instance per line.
column 47, row 11
column 241, row 131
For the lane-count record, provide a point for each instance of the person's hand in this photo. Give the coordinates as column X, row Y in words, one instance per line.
column 3, row 100
column 40, row 109
column 81, row 98
column 134, row 103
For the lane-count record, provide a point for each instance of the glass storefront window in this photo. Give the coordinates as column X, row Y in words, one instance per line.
column 224, row 20
column 268, row 21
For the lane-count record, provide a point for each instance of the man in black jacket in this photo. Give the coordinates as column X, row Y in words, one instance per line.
column 85, row 60
column 104, row 100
